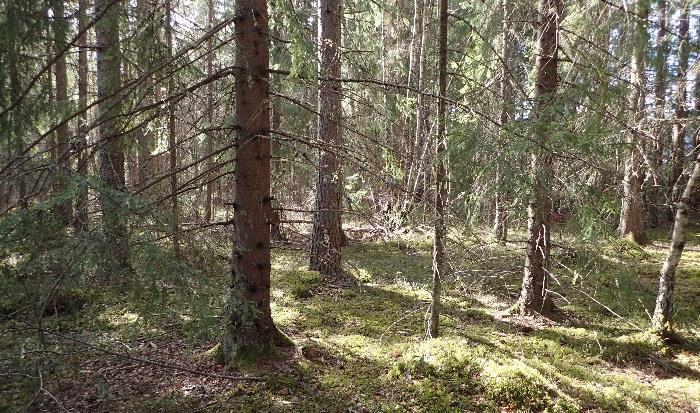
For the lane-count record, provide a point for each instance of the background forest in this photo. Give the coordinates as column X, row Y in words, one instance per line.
column 350, row 205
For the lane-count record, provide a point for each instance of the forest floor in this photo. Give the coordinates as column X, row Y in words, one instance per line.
column 362, row 348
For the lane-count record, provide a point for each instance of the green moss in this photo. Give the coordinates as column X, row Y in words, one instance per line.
column 370, row 353
column 299, row 283
column 516, row 387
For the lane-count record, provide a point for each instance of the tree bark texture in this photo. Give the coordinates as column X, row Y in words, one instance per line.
column 326, row 238
column 659, row 105
column 534, row 295
column 111, row 146
column 249, row 329
column 632, row 211
column 663, row 312
column 441, row 187
column 63, row 210
column 80, row 218
column 500, row 225
column 172, row 139
column 681, row 112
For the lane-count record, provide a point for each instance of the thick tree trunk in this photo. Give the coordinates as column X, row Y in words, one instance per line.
column 441, row 187
column 632, row 211
column 327, row 235
column 534, row 295
column 172, row 140
column 208, row 206
column 659, row 104
column 681, row 113
column 249, row 329
column 116, row 258
column 500, row 225
column 662, row 320
column 80, row 218
column 63, row 209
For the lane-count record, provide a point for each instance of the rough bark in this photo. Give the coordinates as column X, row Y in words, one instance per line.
column 326, row 240
column 441, row 187
column 534, row 295
column 249, row 329
column 681, row 113
column 662, row 320
column 500, row 225
column 172, row 140
column 116, row 257
column 632, row 211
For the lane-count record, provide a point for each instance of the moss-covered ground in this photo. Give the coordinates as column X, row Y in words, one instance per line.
column 362, row 348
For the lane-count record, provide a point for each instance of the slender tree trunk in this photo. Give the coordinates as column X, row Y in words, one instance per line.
column 15, row 115
column 249, row 329
column 208, row 206
column 681, row 113
column 632, row 211
column 63, row 209
column 662, row 320
column 414, row 64
column 534, row 295
column 172, row 139
column 80, row 218
column 145, row 10
column 500, row 226
column 327, row 233
column 422, row 138
column 440, row 177
column 659, row 105
column 116, row 258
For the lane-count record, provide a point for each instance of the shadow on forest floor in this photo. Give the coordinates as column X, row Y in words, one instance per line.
column 362, row 348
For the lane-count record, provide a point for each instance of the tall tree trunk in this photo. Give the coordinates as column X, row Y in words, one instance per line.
column 534, row 295
column 327, row 233
column 63, row 209
column 500, row 226
column 208, row 206
column 80, row 219
column 249, row 329
column 681, row 113
column 440, row 177
column 172, row 139
column 422, row 138
column 146, row 12
column 631, row 213
column 15, row 116
column 419, row 146
column 414, row 64
column 116, row 258
column 662, row 320
column 659, row 105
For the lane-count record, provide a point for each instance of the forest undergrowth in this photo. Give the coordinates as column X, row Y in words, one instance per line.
column 362, row 347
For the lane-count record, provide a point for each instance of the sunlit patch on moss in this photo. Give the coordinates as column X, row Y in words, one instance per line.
column 284, row 315
column 517, row 387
